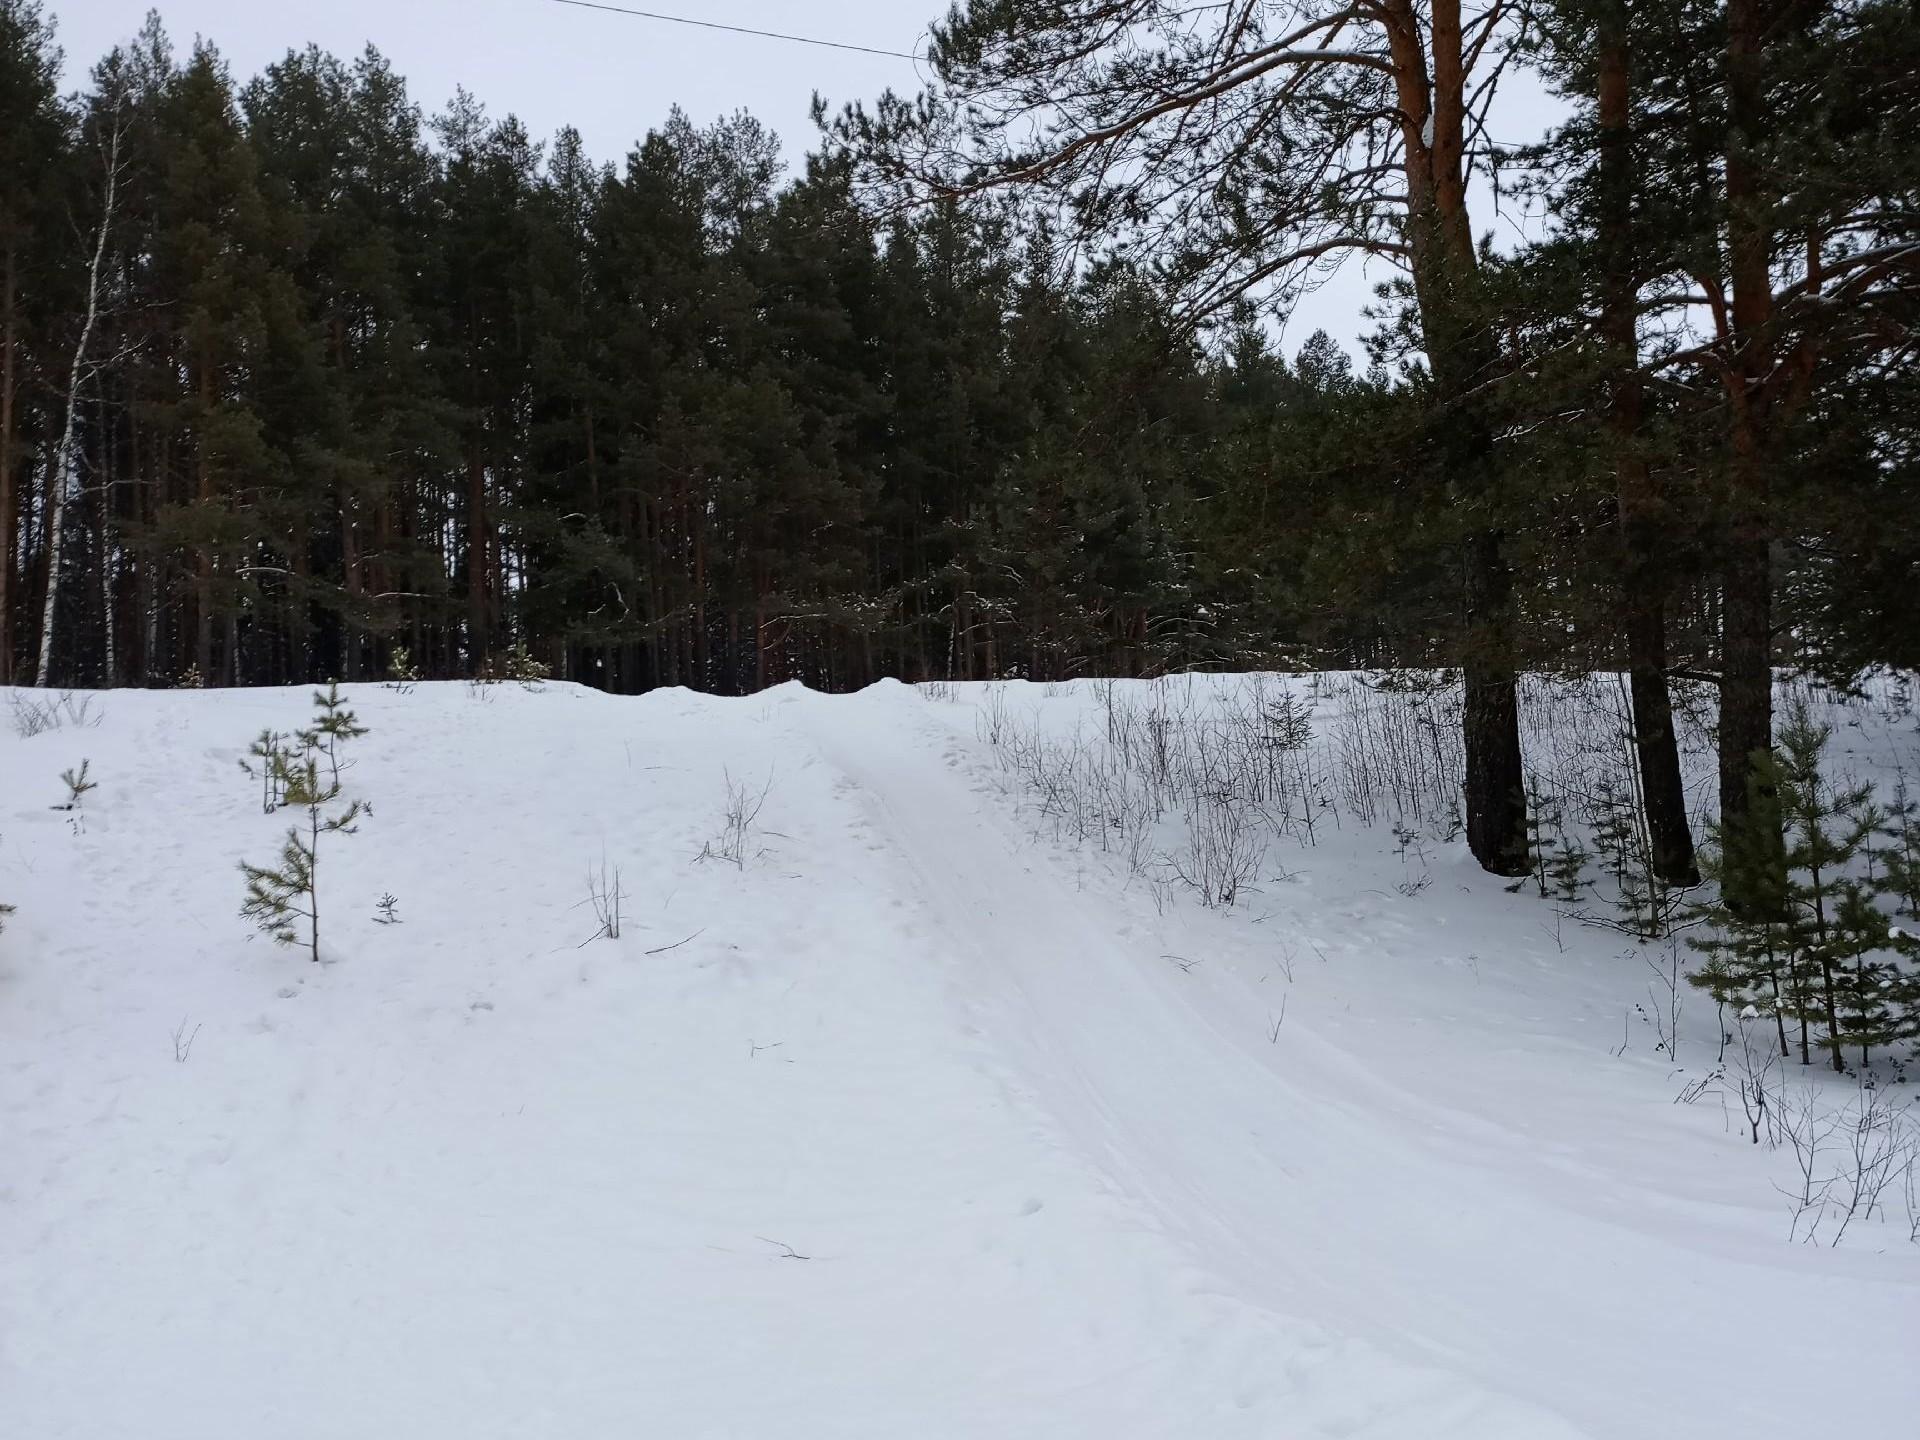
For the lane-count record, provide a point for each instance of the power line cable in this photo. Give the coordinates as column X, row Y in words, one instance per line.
column 735, row 29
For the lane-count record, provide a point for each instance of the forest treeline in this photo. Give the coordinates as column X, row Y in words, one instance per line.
column 363, row 381
column 298, row 381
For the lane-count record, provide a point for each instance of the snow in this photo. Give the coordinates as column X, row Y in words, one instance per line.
column 922, row 1122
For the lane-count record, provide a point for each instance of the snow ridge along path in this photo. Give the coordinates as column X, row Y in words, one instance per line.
column 915, row 1124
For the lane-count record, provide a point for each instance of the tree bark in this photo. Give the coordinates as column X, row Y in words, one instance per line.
column 203, row 555
column 479, row 641
column 60, row 478
column 1460, row 349
column 1644, row 581
column 1746, row 660
column 9, row 385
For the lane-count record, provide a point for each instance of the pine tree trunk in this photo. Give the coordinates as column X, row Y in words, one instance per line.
column 1446, row 288
column 1746, row 681
column 203, row 560
column 1746, row 660
column 1644, row 579
column 355, row 583
column 1496, row 794
column 1657, row 748
column 478, row 640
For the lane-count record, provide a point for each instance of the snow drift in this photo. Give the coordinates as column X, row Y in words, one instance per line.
column 926, row 1119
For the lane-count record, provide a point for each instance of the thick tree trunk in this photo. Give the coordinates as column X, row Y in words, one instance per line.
column 1643, row 571
column 1496, row 790
column 1656, row 747
column 1746, row 634
column 1460, row 349
column 1746, row 682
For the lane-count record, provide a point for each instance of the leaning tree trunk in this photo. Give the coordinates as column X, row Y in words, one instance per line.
column 1644, row 581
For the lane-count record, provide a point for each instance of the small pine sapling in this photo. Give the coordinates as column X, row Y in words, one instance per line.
column 1872, row 1002
column 1826, row 833
column 282, row 896
column 517, row 665
column 269, row 752
column 402, row 673
column 1899, row 858
column 1646, row 906
column 1797, row 929
column 521, row 668
column 389, row 906
column 1559, row 861
column 1899, row 863
column 77, row 785
column 1750, row 961
column 333, row 726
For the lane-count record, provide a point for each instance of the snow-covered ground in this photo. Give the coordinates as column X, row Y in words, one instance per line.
column 929, row 1120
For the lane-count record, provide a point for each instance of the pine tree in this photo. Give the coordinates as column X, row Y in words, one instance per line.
column 281, row 897
column 268, row 752
column 1795, row 930
column 334, row 725
column 1161, row 133
column 1751, row 960
column 1559, row 861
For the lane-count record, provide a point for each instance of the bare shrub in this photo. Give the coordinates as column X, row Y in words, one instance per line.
column 1397, row 751
column 37, row 714
column 738, row 819
column 606, row 898
column 1222, row 853
column 1853, row 1161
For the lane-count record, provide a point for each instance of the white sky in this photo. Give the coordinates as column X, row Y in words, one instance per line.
column 614, row 77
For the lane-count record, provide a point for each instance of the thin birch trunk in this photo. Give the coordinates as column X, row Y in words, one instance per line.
column 63, row 455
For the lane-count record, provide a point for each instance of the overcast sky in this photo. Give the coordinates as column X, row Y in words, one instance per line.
column 612, row 76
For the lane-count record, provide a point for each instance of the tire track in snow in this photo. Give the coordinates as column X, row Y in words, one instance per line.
column 1205, row 1144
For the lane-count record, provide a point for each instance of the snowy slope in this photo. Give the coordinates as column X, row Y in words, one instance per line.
column 920, row 1123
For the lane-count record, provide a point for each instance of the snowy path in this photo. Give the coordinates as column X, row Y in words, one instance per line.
column 1307, row 1185
column 906, row 1128
column 1182, row 1122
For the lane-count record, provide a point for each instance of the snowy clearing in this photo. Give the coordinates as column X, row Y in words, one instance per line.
column 927, row 1118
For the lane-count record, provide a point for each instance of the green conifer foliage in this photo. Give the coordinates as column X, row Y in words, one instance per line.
column 334, row 725
column 284, row 896
column 266, row 752
column 1559, row 860
column 1797, row 929
column 78, row 783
